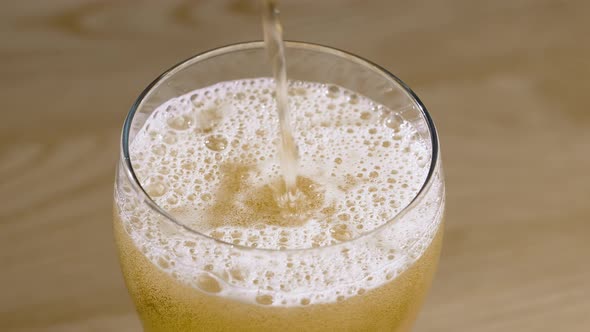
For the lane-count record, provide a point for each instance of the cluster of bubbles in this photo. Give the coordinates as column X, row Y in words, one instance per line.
column 210, row 159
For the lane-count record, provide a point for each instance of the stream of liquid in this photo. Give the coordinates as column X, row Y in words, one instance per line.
column 288, row 151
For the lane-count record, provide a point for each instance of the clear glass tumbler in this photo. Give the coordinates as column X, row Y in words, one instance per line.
column 168, row 267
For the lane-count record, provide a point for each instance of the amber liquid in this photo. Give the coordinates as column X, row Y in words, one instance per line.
column 165, row 304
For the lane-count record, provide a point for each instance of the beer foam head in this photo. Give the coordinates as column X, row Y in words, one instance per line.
column 210, row 158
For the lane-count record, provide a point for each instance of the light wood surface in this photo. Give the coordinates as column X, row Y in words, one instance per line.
column 506, row 81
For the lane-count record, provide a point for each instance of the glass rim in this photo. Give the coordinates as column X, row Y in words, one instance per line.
column 139, row 189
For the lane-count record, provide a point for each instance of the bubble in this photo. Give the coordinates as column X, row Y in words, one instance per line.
column 216, row 142
column 264, row 299
column 181, row 122
column 164, row 170
column 170, row 138
column 172, row 200
column 393, row 121
column 208, row 119
column 156, row 189
column 236, row 234
column 159, row 149
column 208, row 284
column 163, row 263
column 217, row 234
column 237, row 274
column 188, row 165
column 333, row 91
column 341, row 233
column 353, row 99
column 422, row 162
column 344, row 217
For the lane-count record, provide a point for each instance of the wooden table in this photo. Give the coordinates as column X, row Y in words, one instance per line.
column 506, row 81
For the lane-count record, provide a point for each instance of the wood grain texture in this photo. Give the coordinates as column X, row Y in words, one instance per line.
column 506, row 82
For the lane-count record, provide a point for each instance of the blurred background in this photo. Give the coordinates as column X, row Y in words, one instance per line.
column 506, row 82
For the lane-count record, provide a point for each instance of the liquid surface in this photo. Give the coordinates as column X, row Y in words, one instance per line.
column 209, row 158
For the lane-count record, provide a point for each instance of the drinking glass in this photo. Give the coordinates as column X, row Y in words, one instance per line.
column 199, row 295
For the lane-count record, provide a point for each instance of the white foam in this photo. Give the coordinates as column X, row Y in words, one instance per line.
column 341, row 137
